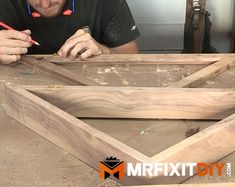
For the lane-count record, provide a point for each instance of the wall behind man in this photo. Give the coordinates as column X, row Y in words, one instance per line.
column 162, row 24
column 222, row 19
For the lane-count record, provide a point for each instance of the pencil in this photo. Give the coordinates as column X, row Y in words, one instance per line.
column 9, row 28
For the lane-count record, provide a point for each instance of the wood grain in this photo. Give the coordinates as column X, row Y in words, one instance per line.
column 57, row 71
column 200, row 59
column 92, row 146
column 147, row 103
column 205, row 74
column 207, row 146
column 66, row 131
column 44, row 64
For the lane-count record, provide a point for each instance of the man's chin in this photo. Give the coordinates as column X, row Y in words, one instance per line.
column 49, row 13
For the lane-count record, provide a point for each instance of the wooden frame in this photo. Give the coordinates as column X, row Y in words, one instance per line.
column 40, row 108
column 25, row 104
column 140, row 59
column 216, row 64
column 205, row 74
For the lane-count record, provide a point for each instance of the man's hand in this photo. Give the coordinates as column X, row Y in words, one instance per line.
column 13, row 44
column 83, row 45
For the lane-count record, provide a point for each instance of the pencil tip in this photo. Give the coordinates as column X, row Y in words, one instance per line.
column 37, row 44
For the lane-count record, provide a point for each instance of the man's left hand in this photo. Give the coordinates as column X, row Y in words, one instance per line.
column 82, row 45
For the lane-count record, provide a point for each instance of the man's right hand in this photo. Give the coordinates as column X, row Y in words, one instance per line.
column 13, row 44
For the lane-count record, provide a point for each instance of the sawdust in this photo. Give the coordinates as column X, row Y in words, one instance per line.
column 55, row 86
column 145, row 131
column 109, row 183
column 212, row 82
column 125, row 82
column 84, row 67
column 113, row 70
column 2, row 81
column 101, row 82
column 116, row 72
column 166, row 84
column 161, row 70
column 107, row 70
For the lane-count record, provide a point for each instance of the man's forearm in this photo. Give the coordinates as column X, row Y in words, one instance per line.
column 106, row 50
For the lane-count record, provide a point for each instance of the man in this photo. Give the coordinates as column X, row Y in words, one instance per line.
column 57, row 26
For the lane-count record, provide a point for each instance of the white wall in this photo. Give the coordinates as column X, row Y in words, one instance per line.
column 162, row 23
column 222, row 19
column 221, row 14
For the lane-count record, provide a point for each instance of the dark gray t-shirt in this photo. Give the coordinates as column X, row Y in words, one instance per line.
column 110, row 22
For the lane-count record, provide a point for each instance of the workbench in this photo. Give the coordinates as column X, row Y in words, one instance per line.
column 27, row 159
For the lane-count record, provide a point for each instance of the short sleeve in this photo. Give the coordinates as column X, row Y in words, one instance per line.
column 119, row 26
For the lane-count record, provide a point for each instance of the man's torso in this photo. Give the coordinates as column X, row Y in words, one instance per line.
column 51, row 33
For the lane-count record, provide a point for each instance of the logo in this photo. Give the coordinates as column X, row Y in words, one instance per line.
column 112, row 166
column 177, row 169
